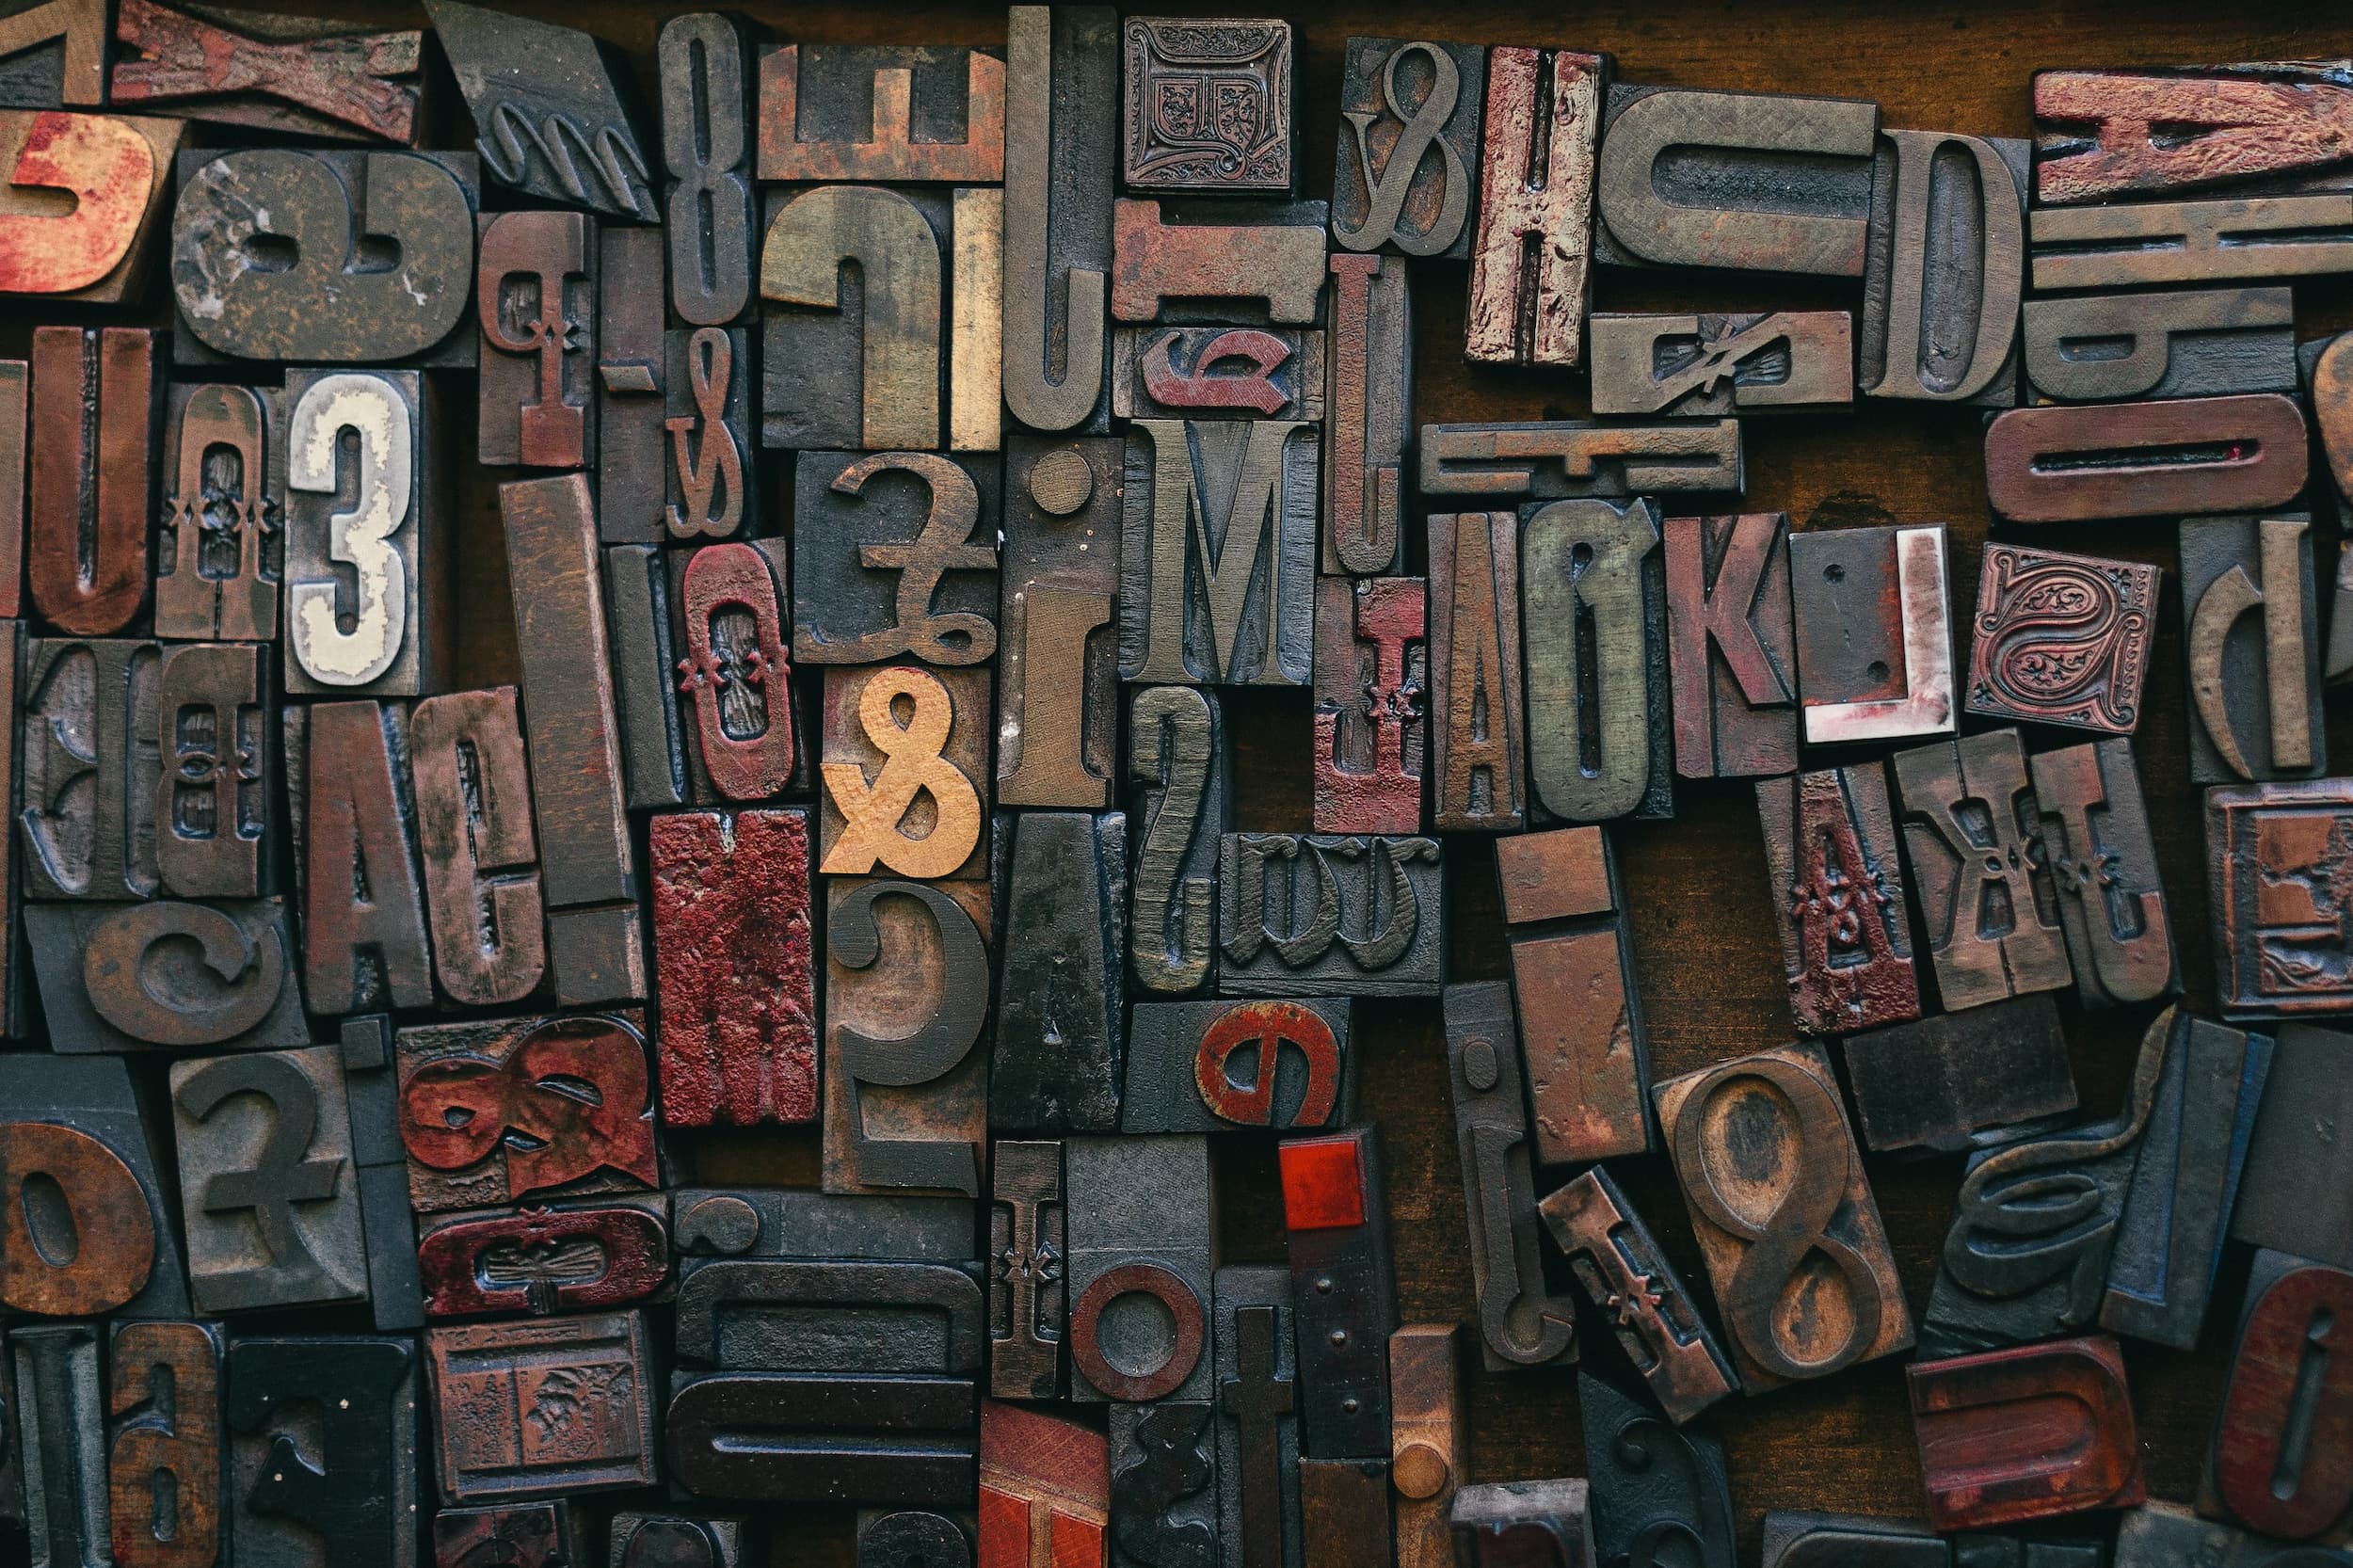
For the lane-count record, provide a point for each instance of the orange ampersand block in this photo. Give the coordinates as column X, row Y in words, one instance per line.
column 568, row 1101
column 874, row 810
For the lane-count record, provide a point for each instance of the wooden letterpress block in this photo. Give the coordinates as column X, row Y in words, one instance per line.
column 1344, row 1512
column 733, row 967
column 1207, row 105
column 363, row 913
column 2281, row 1461
column 865, row 381
column 1944, row 268
column 709, row 464
column 2254, row 688
column 1846, row 942
column 494, row 1384
column 1521, row 1323
column 1372, row 404
column 2028, row 1433
column 90, row 714
column 1062, row 900
column 705, row 62
column 164, row 1444
column 1617, row 1264
column 1523, row 1524
column 644, row 675
column 2202, row 342
column 1164, row 1496
column 220, row 557
column 496, row 1112
column 1170, row 262
column 1220, row 1066
column 629, row 367
column 893, row 554
column 214, row 722
column 1430, row 1447
column 1651, row 1480
column 1681, row 365
column 1573, row 459
column 536, row 281
column 267, row 1180
column 540, row 91
column 13, row 965
column 906, row 1092
column 53, row 54
column 1028, row 1307
column 733, row 677
column 11, row 1460
column 2274, row 857
column 16, row 387
column 1257, row 1429
column 1874, row 623
column 2157, row 1535
column 1177, row 760
column 1373, row 667
column 60, row 1433
column 2326, row 368
column 481, row 858
column 2219, row 241
column 2096, row 841
column 904, row 796
column 1795, row 1540
column 113, row 978
column 1407, row 180
column 544, row 1258
column 1707, row 206
column 323, row 1452
column 1731, row 642
column 1599, row 729
column 1242, row 615
column 2293, row 1197
column 2105, row 133
column 882, row 114
column 1823, row 1208
column 1581, row 1017
column 1062, row 92
column 326, row 209
column 1046, row 1488
column 1972, row 834
column 71, row 1134
column 804, row 1223
column 367, row 582
column 911, row 1538
column 2085, row 463
column 307, row 80
column 1058, row 654
column 97, row 407
column 1933, row 1082
column 1142, row 1221
column 1366, row 915
column 1535, row 191
column 2169, row 1241
column 522, row 1535
column 2063, row 639
column 97, row 249
column 380, row 1170
column 678, row 1541
column 802, row 1437
column 1337, row 1213
column 1218, row 373
column 1478, row 728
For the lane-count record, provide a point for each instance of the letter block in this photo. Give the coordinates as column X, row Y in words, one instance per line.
column 1599, row 725
column 2028, row 1433
column 1372, row 670
column 1366, row 915
column 1846, row 941
column 1229, row 1066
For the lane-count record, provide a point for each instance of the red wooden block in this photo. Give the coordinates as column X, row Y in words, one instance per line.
column 1324, row 1186
column 570, row 1258
column 1372, row 670
column 2027, row 1433
column 2287, row 1416
column 1032, row 1463
column 96, row 413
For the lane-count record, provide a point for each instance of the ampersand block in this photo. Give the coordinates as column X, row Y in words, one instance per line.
column 905, row 763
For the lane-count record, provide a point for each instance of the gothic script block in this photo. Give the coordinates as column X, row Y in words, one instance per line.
column 1371, row 729
column 1366, row 915
column 2063, row 639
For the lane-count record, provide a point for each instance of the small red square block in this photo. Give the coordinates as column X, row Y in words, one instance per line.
column 1324, row 1183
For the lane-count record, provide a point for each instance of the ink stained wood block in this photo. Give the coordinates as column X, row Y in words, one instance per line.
column 1478, row 727
column 1794, row 1540
column 906, row 1092
column 1652, row 1481
column 1536, row 163
column 1207, row 105
column 481, row 858
column 307, row 80
column 1258, row 1423
column 2029, row 1434
column 1163, row 1481
column 2105, row 133
column 62, row 1434
column 644, row 675
column 2217, row 241
column 2063, row 639
column 710, row 465
column 904, row 796
column 1672, row 187
column 1372, row 404
column 2291, row 1194
column 1058, row 654
column 1170, row 262
column 1429, row 1440
column 2155, row 1534
column 16, row 388
column 881, row 115
column 785, row 1437
column 1972, row 837
column 1243, row 613
column 1520, row 1322
column 2283, row 1456
column 2195, row 455
column 527, row 1535
column 90, row 769
column 1846, row 942
column 1366, row 915
column 1750, row 363
column 1936, row 1082
column 1874, row 632
column 1228, row 1066
column 2196, row 342
column 535, row 284
column 214, row 834
column 1406, row 176
column 2273, row 853
column 2326, row 366
column 1731, row 643
column 1572, row 459
column 894, row 554
column 115, row 168
column 1061, row 97
column 1599, row 728
column 1177, row 765
column 1616, row 1263
column 220, row 557
column 911, row 1538
column 268, row 1185
column 1336, row 1211
column 704, row 63
column 2254, row 681
column 1061, row 884
column 368, row 609
column 804, row 1223
column 630, row 439
column 97, row 407
column 733, row 964
column 1140, row 1225
column 380, row 1163
column 1944, row 268
column 1028, row 1306
column 495, row 1111
column 1810, row 1214
column 164, row 1445
column 12, row 966
column 544, row 1258
column 331, row 209
column 1545, row 1523
column 555, row 1407
column 161, row 974
column 52, row 55
column 1218, row 373
column 540, row 93
column 1372, row 668
column 323, row 1452
column 733, row 681
column 2102, row 857
column 363, row 922
column 1344, row 1511
column 1580, row 1022
column 1046, row 1488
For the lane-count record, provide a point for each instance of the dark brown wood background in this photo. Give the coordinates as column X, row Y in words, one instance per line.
column 1710, row 975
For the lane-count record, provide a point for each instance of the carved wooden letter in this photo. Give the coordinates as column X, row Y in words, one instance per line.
column 481, row 855
column 1593, row 590
column 1540, row 194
